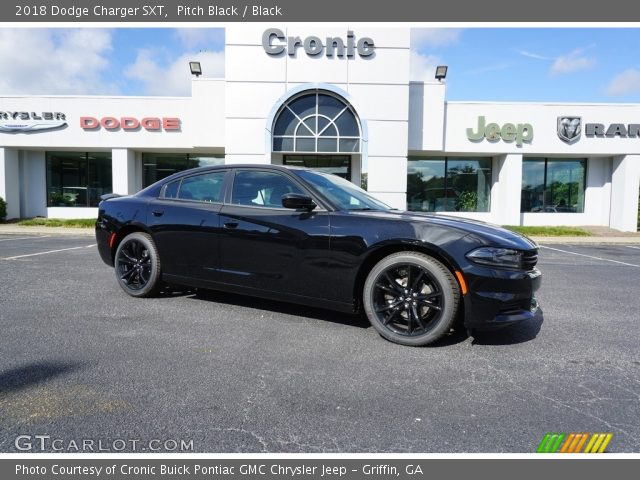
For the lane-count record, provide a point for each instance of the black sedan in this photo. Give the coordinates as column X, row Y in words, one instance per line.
column 312, row 238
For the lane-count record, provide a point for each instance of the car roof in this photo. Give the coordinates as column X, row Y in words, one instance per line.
column 206, row 168
column 151, row 189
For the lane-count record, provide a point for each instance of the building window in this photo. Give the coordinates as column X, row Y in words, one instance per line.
column 316, row 122
column 337, row 164
column 156, row 166
column 449, row 184
column 553, row 185
column 77, row 179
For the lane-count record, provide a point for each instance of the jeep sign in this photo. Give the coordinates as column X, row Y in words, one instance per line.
column 275, row 42
column 509, row 132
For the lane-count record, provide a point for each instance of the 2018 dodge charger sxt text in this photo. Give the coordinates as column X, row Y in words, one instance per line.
column 313, row 238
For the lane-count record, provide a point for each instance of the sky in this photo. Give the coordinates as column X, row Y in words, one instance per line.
column 537, row 65
column 485, row 64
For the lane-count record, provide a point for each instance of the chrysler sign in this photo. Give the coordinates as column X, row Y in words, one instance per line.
column 24, row 122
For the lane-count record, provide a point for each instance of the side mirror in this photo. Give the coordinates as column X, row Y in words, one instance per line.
column 298, row 201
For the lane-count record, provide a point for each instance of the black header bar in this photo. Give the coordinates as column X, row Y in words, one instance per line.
column 160, row 11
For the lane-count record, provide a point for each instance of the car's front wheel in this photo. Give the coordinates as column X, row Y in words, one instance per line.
column 137, row 265
column 411, row 298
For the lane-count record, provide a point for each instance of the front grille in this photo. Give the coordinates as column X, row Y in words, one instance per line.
column 529, row 259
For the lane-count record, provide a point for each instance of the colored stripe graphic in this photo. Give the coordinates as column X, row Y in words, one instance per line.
column 580, row 443
column 554, row 442
column 550, row 443
column 598, row 443
column 570, row 443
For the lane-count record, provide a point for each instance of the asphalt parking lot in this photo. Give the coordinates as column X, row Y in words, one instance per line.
column 80, row 360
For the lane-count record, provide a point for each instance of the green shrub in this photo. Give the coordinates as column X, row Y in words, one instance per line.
column 58, row 222
column 3, row 210
column 550, row 231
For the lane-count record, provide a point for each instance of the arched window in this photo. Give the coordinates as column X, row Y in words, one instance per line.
column 316, row 122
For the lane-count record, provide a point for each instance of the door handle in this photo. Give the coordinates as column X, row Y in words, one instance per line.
column 157, row 213
column 231, row 225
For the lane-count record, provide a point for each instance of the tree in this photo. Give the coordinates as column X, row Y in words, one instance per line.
column 3, row 210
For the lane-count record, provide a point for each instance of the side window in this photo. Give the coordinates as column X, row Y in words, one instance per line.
column 171, row 189
column 261, row 189
column 204, row 188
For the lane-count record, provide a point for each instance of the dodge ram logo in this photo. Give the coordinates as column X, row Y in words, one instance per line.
column 569, row 129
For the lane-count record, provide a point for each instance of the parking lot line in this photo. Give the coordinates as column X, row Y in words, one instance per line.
column 629, row 246
column 44, row 253
column 591, row 256
column 24, row 238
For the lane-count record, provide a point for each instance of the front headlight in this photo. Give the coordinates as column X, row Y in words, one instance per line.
column 496, row 257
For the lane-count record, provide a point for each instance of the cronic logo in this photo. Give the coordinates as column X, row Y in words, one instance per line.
column 275, row 42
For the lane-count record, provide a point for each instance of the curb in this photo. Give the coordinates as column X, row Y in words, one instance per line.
column 633, row 240
column 18, row 230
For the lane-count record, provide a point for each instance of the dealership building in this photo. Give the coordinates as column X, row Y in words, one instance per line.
column 338, row 99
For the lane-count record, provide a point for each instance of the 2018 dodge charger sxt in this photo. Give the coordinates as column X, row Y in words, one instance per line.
column 313, row 238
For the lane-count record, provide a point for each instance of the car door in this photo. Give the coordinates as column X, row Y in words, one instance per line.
column 266, row 246
column 185, row 224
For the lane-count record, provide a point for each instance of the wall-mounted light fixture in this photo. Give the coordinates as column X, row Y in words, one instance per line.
column 196, row 69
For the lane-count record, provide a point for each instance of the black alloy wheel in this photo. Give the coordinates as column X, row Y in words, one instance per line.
column 411, row 298
column 137, row 265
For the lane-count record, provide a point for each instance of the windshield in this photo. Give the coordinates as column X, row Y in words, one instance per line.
column 342, row 193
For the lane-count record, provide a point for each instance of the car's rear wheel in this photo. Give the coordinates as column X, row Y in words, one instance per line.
column 137, row 265
column 411, row 298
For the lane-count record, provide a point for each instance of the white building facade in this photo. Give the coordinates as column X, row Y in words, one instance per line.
column 337, row 99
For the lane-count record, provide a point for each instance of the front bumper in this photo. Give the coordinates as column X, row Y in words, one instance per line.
column 498, row 298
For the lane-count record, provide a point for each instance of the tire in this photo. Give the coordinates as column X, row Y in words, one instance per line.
column 411, row 298
column 137, row 265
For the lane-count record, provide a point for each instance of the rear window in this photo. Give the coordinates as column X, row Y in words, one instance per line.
column 203, row 188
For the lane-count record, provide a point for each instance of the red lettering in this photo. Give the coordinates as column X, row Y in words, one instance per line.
column 110, row 123
column 129, row 123
column 89, row 123
column 171, row 123
column 151, row 123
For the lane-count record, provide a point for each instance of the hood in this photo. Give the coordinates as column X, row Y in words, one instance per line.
column 483, row 232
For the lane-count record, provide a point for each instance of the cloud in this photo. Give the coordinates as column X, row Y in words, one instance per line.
column 434, row 37
column 54, row 61
column 625, row 83
column 572, row 62
column 423, row 67
column 537, row 56
column 172, row 77
column 488, row 69
column 204, row 38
